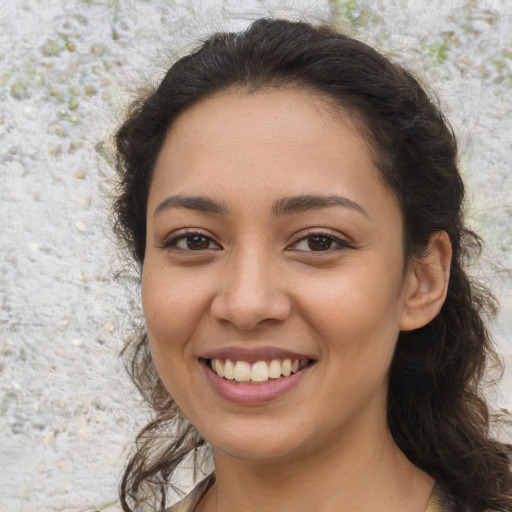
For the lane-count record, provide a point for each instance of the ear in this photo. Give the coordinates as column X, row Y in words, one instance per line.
column 427, row 283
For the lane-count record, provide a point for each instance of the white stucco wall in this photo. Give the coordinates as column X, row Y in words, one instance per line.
column 67, row 410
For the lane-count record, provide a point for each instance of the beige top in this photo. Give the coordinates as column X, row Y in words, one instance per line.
column 438, row 501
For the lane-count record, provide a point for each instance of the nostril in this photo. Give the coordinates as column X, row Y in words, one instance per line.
column 247, row 311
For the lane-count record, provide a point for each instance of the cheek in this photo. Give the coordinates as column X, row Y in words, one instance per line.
column 358, row 323
column 173, row 308
column 172, row 311
column 171, row 304
column 357, row 311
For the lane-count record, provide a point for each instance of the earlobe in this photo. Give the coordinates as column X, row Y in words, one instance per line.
column 427, row 284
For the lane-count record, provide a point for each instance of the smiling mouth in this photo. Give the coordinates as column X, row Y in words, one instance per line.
column 258, row 372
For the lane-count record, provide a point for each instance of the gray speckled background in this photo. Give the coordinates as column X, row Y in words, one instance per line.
column 67, row 69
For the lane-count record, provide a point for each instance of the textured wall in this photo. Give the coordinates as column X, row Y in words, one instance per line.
column 67, row 411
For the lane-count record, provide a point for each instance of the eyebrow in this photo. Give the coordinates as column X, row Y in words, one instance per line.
column 298, row 204
column 200, row 203
column 282, row 207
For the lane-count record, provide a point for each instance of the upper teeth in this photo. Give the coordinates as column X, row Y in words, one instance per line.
column 260, row 371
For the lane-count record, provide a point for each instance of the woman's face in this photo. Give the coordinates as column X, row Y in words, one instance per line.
column 273, row 247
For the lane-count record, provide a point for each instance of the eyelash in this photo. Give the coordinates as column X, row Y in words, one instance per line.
column 318, row 233
column 169, row 243
column 341, row 244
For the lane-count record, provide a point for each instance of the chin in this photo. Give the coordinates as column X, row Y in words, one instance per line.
column 258, row 445
column 255, row 454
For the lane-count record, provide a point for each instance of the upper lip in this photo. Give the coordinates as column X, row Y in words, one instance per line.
column 253, row 354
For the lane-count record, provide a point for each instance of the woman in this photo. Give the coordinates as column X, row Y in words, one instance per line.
column 293, row 200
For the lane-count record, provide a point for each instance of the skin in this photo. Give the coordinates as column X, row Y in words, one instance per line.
column 254, row 281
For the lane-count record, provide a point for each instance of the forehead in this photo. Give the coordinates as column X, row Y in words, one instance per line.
column 278, row 142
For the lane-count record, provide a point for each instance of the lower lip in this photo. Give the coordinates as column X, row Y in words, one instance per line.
column 253, row 394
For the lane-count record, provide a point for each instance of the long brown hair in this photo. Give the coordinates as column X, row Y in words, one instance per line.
column 436, row 410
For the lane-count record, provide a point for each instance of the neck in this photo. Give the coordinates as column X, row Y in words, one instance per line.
column 367, row 473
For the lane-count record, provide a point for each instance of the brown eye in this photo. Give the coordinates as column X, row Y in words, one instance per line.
column 197, row 242
column 194, row 242
column 319, row 243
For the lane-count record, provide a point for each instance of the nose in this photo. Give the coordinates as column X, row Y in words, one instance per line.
column 251, row 292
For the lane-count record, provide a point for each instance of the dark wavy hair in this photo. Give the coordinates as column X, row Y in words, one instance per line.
column 436, row 410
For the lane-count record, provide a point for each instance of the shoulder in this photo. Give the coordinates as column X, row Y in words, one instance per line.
column 439, row 500
column 192, row 499
column 112, row 507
